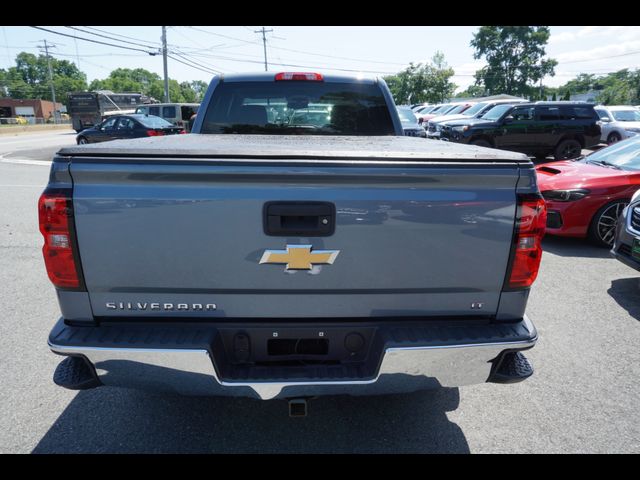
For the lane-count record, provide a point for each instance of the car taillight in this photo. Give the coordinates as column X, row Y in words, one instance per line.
column 155, row 133
column 526, row 252
column 182, row 132
column 55, row 212
column 307, row 76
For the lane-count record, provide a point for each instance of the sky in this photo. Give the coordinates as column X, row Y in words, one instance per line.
column 199, row 52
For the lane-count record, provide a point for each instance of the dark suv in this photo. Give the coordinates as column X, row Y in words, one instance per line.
column 561, row 129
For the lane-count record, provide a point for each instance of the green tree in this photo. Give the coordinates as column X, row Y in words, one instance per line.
column 621, row 87
column 515, row 58
column 148, row 83
column 472, row 91
column 30, row 78
column 423, row 83
column 200, row 88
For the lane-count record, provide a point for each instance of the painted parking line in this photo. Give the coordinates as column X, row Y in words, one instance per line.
column 23, row 161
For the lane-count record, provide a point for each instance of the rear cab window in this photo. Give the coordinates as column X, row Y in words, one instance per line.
column 298, row 108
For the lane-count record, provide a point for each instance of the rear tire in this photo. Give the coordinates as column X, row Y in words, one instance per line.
column 614, row 137
column 602, row 230
column 567, row 149
column 481, row 143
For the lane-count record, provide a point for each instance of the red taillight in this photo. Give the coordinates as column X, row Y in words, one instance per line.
column 182, row 132
column 307, row 76
column 527, row 248
column 55, row 213
column 155, row 133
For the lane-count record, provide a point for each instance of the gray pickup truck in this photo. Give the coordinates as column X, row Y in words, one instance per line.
column 296, row 244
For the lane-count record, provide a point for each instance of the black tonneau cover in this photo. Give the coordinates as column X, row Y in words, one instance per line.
column 273, row 147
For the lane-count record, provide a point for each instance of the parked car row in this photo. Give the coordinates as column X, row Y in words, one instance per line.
column 586, row 196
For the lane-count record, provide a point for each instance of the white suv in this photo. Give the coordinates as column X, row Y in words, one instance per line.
column 618, row 122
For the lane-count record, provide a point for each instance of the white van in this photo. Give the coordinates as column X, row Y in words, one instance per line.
column 176, row 113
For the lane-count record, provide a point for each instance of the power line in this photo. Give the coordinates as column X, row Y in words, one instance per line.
column 188, row 65
column 297, row 65
column 224, row 36
column 123, row 36
column 108, row 37
column 601, row 58
column 184, row 57
column 94, row 41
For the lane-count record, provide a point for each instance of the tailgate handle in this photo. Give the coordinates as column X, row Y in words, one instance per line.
column 308, row 219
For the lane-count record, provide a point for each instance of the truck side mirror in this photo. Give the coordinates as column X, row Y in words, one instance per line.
column 605, row 119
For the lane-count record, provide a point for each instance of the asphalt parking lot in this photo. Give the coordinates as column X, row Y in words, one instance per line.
column 583, row 397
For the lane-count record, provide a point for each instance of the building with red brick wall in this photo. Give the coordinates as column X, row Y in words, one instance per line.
column 28, row 108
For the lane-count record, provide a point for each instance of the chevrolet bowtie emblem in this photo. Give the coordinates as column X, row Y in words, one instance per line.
column 299, row 257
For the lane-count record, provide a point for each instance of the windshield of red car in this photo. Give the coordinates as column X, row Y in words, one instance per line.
column 624, row 155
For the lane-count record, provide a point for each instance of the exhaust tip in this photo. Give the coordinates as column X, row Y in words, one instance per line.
column 298, row 407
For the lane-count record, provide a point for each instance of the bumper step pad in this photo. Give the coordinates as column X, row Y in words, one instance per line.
column 75, row 373
column 513, row 368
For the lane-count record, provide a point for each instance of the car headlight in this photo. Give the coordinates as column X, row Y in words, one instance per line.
column 566, row 195
column 463, row 128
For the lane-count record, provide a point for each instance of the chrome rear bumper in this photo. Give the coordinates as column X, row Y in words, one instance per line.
column 191, row 371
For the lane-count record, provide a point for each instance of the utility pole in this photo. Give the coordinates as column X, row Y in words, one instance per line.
column 53, row 90
column 164, row 59
column 264, row 44
column 541, row 88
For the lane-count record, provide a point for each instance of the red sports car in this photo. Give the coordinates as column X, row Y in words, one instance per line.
column 586, row 196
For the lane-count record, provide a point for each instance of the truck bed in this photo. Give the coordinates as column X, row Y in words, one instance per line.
column 284, row 147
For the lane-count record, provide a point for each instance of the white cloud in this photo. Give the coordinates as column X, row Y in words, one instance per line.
column 561, row 37
column 465, row 72
column 598, row 53
column 625, row 33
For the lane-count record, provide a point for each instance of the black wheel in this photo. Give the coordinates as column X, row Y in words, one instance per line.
column 568, row 149
column 481, row 143
column 602, row 230
column 82, row 141
column 613, row 137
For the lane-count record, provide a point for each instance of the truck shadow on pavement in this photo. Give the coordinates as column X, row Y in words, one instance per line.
column 573, row 247
column 626, row 292
column 109, row 419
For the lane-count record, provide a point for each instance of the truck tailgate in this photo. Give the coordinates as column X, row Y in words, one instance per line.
column 175, row 238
